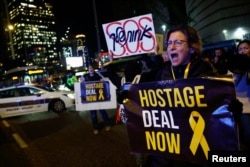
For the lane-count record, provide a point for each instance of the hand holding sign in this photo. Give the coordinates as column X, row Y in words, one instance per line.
column 130, row 36
column 182, row 119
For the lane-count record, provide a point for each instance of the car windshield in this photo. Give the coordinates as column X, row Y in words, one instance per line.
column 49, row 89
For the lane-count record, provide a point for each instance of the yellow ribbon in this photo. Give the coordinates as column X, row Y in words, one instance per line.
column 101, row 96
column 198, row 137
column 185, row 72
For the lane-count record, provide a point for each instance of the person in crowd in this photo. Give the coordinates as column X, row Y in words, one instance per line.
column 184, row 49
column 220, row 61
column 93, row 76
column 146, row 67
column 242, row 85
column 207, row 58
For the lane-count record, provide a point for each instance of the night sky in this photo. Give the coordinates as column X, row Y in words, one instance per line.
column 79, row 16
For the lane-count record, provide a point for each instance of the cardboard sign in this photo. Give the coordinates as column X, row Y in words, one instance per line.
column 181, row 119
column 131, row 36
column 95, row 95
column 160, row 44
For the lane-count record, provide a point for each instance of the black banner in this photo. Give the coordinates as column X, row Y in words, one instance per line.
column 181, row 119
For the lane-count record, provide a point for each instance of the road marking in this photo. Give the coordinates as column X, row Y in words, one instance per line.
column 19, row 140
column 6, row 124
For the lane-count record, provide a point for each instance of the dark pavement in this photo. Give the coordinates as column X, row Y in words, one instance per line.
column 68, row 141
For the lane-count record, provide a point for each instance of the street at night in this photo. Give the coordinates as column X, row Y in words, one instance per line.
column 60, row 140
column 178, row 71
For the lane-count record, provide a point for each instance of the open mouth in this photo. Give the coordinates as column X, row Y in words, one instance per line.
column 174, row 55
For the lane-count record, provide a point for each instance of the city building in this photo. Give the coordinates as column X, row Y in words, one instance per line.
column 219, row 20
column 32, row 34
column 74, row 52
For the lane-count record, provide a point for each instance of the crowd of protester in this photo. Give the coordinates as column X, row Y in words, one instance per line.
column 185, row 42
column 184, row 50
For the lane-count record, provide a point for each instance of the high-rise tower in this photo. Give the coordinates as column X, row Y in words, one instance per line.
column 33, row 35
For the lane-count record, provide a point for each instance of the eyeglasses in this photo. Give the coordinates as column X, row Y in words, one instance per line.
column 177, row 43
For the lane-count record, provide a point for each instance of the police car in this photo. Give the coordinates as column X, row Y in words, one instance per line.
column 26, row 99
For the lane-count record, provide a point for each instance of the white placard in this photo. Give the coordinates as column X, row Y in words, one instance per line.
column 131, row 36
column 95, row 95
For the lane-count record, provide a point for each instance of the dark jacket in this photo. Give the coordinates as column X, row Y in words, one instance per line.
column 95, row 77
column 198, row 68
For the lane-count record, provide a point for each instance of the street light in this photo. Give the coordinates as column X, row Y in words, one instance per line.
column 10, row 28
column 239, row 33
column 164, row 27
column 225, row 33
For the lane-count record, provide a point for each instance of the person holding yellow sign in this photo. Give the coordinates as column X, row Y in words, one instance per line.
column 93, row 76
column 184, row 49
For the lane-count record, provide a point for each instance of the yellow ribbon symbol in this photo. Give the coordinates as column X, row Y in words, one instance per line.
column 101, row 96
column 198, row 137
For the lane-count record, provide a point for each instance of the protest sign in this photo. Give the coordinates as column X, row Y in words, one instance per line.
column 95, row 95
column 160, row 43
column 131, row 36
column 181, row 119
